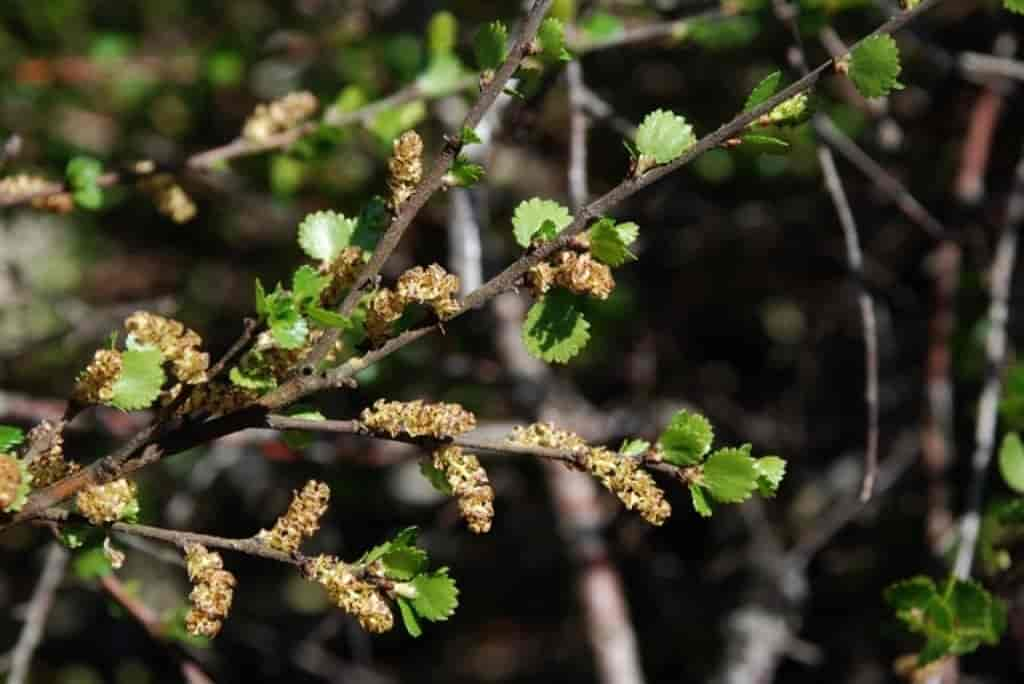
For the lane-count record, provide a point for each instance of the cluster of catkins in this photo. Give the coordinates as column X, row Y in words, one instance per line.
column 176, row 343
column 405, row 168
column 431, row 286
column 470, row 485
column 213, row 588
column 418, row 419
column 279, row 116
column 170, row 198
column 575, row 270
column 107, row 503
column 348, row 588
column 301, row 521
column 23, row 184
column 620, row 474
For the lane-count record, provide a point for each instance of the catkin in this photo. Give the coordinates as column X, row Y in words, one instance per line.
column 212, row 591
column 302, row 519
column 619, row 474
column 49, row 465
column 418, row 419
column 280, row 115
column 353, row 595
column 405, row 168
column 10, row 480
column 95, row 385
column 108, row 502
column 469, row 483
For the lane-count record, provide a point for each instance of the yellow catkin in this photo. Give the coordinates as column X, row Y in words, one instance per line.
column 469, row 483
column 22, row 185
column 170, row 198
column 579, row 273
column 107, row 503
column 95, row 385
column 633, row 485
column 49, row 465
column 212, row 591
column 431, row 286
column 418, row 419
column 582, row 274
column 548, row 436
column 178, row 344
column 279, row 116
column 342, row 270
column 620, row 474
column 302, row 519
column 353, row 595
column 10, row 480
column 405, row 168
column 386, row 307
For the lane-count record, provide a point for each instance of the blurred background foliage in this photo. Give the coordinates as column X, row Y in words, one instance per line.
column 740, row 305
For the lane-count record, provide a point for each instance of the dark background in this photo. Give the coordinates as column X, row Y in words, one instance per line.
column 740, row 306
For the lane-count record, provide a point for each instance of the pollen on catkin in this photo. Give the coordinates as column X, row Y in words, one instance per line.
column 95, row 385
column 23, row 184
column 302, row 519
column 170, row 198
column 353, row 595
column 405, row 168
column 418, row 419
column 178, row 344
column 469, row 484
column 49, row 465
column 109, row 502
column 212, row 592
column 279, row 116
column 432, row 286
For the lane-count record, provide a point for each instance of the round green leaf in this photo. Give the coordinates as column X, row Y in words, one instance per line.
column 323, row 234
column 664, row 136
column 531, row 215
column 730, row 475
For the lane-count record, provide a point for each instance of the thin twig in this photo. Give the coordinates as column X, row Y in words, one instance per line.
column 38, row 610
column 242, row 147
column 883, row 180
column 467, row 441
column 675, row 29
column 578, row 191
column 995, row 355
column 788, row 14
column 855, row 260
